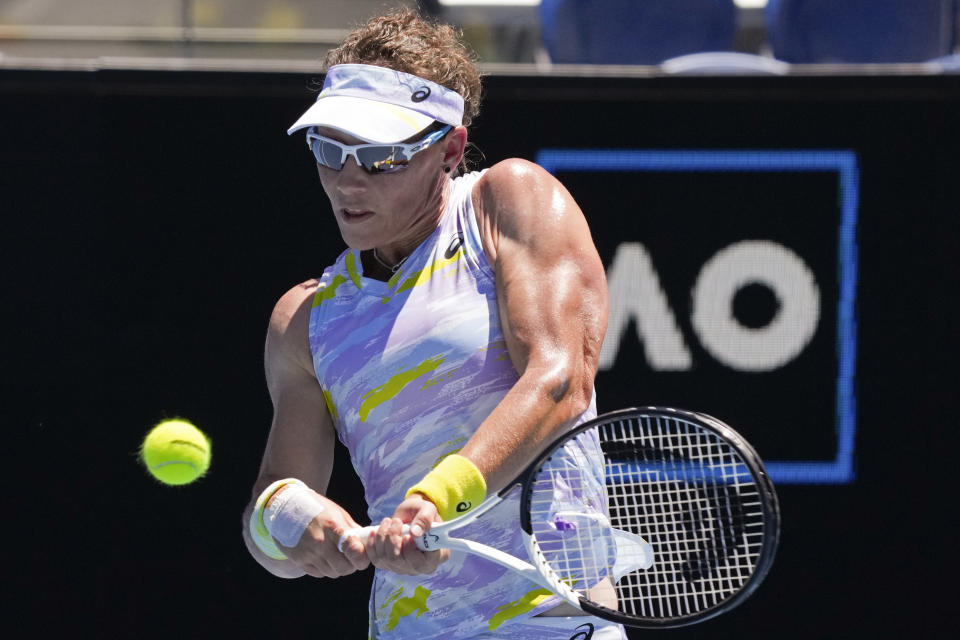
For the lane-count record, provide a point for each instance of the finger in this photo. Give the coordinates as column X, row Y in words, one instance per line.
column 312, row 571
column 336, row 564
column 322, row 559
column 397, row 548
column 425, row 561
column 379, row 547
column 320, row 568
column 355, row 540
column 423, row 520
column 356, row 553
column 420, row 561
column 395, row 539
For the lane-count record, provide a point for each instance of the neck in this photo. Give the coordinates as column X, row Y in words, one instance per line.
column 386, row 265
column 391, row 256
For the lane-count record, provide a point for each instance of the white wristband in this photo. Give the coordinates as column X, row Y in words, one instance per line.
column 289, row 512
column 258, row 532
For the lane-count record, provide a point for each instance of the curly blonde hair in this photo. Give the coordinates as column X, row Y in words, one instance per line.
column 405, row 41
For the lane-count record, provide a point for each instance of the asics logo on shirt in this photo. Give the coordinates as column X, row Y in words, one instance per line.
column 455, row 244
column 586, row 634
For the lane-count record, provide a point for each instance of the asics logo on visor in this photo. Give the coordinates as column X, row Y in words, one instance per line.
column 421, row 94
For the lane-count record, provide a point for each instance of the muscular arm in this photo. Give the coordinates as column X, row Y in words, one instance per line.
column 552, row 296
column 300, row 445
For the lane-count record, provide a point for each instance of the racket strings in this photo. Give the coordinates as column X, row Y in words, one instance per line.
column 692, row 496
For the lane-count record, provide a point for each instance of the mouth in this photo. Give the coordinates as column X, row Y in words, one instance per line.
column 355, row 215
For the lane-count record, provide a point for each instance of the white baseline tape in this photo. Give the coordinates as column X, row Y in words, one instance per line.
column 289, row 513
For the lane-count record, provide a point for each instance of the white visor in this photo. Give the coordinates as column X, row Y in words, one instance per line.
column 376, row 104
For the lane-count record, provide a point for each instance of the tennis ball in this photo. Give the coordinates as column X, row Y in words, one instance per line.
column 175, row 452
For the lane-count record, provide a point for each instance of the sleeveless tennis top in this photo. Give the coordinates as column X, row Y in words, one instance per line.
column 409, row 369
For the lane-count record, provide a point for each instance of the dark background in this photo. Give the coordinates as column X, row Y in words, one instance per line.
column 150, row 220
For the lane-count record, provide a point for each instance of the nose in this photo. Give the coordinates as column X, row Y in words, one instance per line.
column 351, row 178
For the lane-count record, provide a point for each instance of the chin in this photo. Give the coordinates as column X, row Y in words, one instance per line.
column 355, row 243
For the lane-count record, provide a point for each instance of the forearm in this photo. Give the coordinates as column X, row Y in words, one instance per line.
column 543, row 402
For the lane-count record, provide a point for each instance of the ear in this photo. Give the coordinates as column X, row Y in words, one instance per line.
column 454, row 144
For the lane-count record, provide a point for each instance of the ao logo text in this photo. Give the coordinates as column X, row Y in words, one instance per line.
column 636, row 294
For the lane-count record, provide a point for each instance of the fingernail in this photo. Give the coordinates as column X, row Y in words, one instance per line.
column 416, row 530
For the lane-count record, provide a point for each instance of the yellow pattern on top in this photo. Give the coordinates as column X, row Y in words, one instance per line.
column 405, row 606
column 418, row 278
column 330, row 406
column 328, row 292
column 394, row 595
column 378, row 395
column 350, row 262
column 526, row 603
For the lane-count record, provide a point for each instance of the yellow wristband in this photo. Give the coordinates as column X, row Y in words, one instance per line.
column 455, row 486
column 258, row 530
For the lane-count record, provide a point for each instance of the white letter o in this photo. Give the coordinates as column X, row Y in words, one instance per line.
column 755, row 262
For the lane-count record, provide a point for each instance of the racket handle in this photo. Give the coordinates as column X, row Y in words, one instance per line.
column 426, row 542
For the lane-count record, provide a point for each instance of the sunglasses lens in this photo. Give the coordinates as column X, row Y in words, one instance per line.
column 375, row 158
column 328, row 154
column 385, row 159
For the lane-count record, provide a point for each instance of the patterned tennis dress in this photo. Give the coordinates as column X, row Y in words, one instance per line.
column 410, row 368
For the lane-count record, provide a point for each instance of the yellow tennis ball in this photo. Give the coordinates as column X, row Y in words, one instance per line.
column 176, row 452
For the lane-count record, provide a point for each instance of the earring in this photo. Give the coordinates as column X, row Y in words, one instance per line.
column 446, row 169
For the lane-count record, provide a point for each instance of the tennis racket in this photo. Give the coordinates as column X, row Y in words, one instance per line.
column 650, row 517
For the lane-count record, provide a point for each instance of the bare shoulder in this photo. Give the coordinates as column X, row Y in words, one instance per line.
column 290, row 307
column 287, row 337
column 513, row 181
column 520, row 200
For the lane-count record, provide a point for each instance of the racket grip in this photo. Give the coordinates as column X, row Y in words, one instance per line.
column 426, row 542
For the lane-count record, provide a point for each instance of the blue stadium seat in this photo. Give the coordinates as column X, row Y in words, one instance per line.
column 634, row 31
column 861, row 31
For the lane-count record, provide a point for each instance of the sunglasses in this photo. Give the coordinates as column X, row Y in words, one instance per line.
column 374, row 158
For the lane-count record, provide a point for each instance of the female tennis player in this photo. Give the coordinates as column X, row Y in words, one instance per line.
column 455, row 336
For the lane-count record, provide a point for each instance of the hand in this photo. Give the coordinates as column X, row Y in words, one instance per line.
column 388, row 549
column 316, row 553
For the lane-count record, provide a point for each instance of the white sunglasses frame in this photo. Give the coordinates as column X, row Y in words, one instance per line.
column 410, row 149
